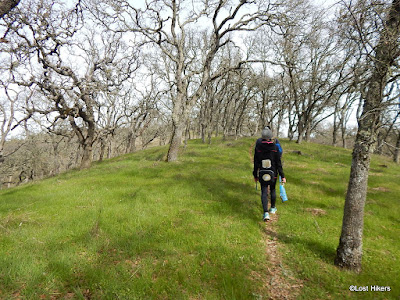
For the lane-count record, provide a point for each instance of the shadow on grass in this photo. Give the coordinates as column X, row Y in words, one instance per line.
column 319, row 248
column 234, row 196
column 332, row 186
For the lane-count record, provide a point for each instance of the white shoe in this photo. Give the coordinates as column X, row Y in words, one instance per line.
column 266, row 216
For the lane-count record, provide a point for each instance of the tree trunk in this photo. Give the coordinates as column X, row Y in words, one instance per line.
column 300, row 131
column 87, row 156
column 203, row 133
column 131, row 145
column 209, row 136
column 187, row 133
column 176, row 141
column 280, row 120
column 6, row 6
column 102, row 149
column 349, row 251
column 343, row 130
column 85, row 141
column 307, row 136
column 380, row 142
column 1, row 154
column 397, row 150
column 335, row 128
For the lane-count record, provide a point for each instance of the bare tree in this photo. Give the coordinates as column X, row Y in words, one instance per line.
column 242, row 92
column 390, row 121
column 170, row 26
column 270, row 103
column 342, row 114
column 211, row 106
column 140, row 111
column 383, row 58
column 109, row 110
column 223, row 94
column 11, row 116
column 316, row 69
column 75, row 67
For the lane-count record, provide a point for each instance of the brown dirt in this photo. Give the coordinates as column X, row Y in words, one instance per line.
column 316, row 211
column 279, row 281
column 381, row 189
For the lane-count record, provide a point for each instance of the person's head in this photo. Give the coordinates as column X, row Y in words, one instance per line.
column 266, row 134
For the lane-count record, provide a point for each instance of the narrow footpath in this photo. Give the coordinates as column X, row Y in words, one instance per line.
column 279, row 282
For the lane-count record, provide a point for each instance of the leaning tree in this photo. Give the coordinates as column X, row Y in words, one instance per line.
column 382, row 59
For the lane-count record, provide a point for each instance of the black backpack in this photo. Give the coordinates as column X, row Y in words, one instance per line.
column 266, row 173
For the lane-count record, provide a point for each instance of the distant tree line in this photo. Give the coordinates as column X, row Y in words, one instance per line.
column 92, row 79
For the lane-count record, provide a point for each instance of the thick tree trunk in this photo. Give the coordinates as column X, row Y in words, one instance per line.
column 87, row 156
column 300, row 136
column 300, row 130
column 179, row 121
column 1, row 154
column 87, row 140
column 203, row 133
column 131, row 143
column 349, row 251
column 307, row 135
column 176, row 141
column 6, row 6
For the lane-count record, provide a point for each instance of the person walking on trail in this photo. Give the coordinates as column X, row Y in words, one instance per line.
column 267, row 167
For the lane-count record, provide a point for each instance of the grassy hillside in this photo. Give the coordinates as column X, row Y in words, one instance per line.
column 309, row 227
column 136, row 227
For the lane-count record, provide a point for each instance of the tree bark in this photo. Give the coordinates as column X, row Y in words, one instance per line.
column 349, row 251
column 6, row 6
column 85, row 139
column 131, row 142
column 335, row 125
column 397, row 150
column 87, row 159
column 176, row 141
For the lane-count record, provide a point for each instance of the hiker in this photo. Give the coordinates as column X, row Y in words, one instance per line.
column 267, row 167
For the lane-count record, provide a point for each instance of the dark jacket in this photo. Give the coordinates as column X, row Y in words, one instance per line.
column 267, row 150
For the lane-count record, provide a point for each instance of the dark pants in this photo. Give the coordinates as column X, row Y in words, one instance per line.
column 264, row 195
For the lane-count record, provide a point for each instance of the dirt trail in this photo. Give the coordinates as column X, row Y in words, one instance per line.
column 279, row 282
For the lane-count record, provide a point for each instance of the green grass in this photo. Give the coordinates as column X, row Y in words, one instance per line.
column 136, row 227
column 310, row 224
